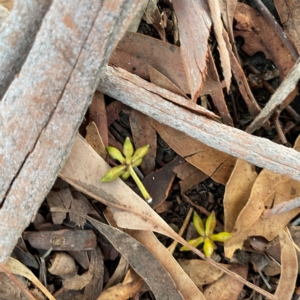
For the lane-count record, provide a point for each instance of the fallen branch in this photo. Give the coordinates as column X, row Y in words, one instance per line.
column 17, row 36
column 135, row 92
column 44, row 106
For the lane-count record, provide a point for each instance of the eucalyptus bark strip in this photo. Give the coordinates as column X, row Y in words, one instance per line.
column 17, row 36
column 45, row 105
column 135, row 92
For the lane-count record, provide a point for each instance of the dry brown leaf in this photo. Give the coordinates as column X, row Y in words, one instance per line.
column 162, row 81
column 288, row 12
column 187, row 288
column 289, row 268
column 269, row 189
column 143, row 133
column 237, row 191
column 17, row 268
column 193, row 41
column 214, row 163
column 97, row 114
column 125, row 290
column 135, row 52
column 78, row 282
column 217, row 94
column 226, row 287
column 215, row 10
column 260, row 35
column 159, row 183
column 94, row 139
column 200, row 271
column 189, row 175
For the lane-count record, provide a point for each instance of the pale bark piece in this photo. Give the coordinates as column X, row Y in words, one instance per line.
column 258, row 151
column 97, row 114
column 94, row 139
column 162, row 81
column 213, row 163
column 44, row 106
column 260, row 35
column 17, row 36
column 163, row 93
column 289, row 268
column 144, row 264
column 200, row 271
column 215, row 11
column 226, row 287
column 135, row 52
column 83, row 170
column 282, row 207
column 286, row 88
column 183, row 283
column 193, row 40
column 288, row 12
column 143, row 134
column 237, row 191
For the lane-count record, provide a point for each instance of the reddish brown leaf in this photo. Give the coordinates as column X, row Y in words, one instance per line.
column 135, row 52
column 193, row 41
column 159, row 183
column 94, row 139
column 143, row 134
column 97, row 114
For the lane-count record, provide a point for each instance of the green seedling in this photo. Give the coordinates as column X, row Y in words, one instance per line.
column 206, row 234
column 128, row 163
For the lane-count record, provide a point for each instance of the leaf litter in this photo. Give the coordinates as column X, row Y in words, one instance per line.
column 252, row 204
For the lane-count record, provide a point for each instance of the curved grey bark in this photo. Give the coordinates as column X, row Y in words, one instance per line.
column 44, row 106
column 17, row 35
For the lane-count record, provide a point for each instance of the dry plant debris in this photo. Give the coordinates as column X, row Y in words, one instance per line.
column 211, row 88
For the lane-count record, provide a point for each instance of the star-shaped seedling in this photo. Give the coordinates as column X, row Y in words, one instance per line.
column 126, row 169
column 206, row 234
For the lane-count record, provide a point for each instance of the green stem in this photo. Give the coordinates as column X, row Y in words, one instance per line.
column 140, row 185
